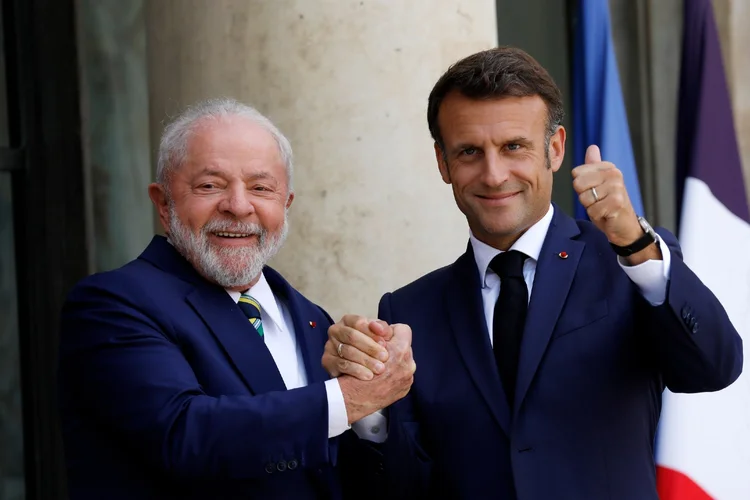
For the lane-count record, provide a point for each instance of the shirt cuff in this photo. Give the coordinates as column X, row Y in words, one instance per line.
column 651, row 277
column 373, row 427
column 338, row 420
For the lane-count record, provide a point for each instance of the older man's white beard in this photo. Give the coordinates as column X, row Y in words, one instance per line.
column 229, row 267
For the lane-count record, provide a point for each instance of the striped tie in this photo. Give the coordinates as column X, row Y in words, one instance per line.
column 251, row 308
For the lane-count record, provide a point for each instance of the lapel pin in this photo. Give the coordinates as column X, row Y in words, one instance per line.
column 312, row 324
column 563, row 255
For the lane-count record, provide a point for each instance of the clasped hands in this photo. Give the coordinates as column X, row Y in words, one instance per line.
column 373, row 362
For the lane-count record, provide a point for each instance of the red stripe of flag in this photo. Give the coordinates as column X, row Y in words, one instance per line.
column 674, row 485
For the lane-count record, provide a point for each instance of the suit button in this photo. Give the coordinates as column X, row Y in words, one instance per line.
column 270, row 468
column 291, row 465
column 695, row 328
column 281, row 466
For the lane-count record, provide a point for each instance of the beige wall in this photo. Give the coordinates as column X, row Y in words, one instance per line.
column 348, row 82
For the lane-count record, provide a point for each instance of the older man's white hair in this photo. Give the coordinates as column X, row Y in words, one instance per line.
column 174, row 141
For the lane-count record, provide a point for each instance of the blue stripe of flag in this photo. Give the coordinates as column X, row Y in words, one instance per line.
column 599, row 115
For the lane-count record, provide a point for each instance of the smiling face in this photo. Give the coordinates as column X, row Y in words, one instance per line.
column 496, row 159
column 226, row 204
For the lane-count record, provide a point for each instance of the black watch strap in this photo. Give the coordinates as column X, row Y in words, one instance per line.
column 634, row 247
column 649, row 236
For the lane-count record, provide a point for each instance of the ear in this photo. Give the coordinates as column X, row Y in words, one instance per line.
column 557, row 148
column 158, row 196
column 442, row 165
column 289, row 199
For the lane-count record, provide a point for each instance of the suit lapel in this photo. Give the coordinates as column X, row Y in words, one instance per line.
column 466, row 313
column 310, row 337
column 243, row 346
column 552, row 281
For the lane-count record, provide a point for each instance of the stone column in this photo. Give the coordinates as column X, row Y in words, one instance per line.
column 347, row 81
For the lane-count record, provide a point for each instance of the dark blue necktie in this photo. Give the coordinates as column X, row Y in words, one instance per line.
column 510, row 317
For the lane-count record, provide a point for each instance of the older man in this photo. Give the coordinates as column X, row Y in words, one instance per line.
column 194, row 370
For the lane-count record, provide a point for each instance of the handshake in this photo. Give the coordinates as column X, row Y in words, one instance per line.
column 373, row 362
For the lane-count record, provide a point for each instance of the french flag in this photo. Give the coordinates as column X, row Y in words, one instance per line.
column 703, row 449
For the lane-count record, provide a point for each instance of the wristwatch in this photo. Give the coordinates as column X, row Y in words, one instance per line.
column 649, row 236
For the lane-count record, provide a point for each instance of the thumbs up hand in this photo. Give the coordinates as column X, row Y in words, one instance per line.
column 601, row 190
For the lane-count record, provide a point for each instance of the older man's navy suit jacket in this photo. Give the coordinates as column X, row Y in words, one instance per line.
column 167, row 392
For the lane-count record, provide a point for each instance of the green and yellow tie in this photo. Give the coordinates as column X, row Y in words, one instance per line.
column 251, row 308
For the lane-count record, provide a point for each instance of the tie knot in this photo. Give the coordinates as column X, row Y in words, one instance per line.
column 249, row 306
column 509, row 264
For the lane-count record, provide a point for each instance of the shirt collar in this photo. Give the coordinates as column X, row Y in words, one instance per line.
column 529, row 243
column 261, row 291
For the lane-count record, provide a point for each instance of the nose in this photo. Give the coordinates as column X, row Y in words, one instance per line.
column 496, row 169
column 237, row 202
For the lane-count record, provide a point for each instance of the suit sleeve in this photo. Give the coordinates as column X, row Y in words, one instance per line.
column 697, row 347
column 407, row 464
column 123, row 372
column 398, row 467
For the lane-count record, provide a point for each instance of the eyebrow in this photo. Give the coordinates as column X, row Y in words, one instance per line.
column 524, row 141
column 260, row 175
column 465, row 145
column 211, row 172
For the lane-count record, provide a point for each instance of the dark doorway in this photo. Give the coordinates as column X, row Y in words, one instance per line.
column 42, row 156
